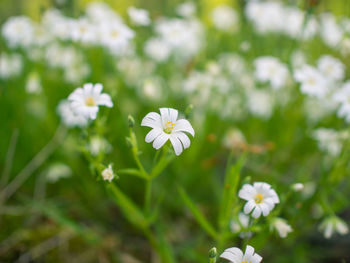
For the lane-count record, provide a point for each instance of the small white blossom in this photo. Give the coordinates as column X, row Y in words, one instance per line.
column 312, row 81
column 157, row 49
column 282, row 227
column 10, row 65
column 225, row 18
column 165, row 126
column 272, row 70
column 57, row 171
column 342, row 96
column 331, row 67
column 297, row 187
column 260, row 197
column 235, row 255
column 186, row 9
column 18, row 31
column 69, row 117
column 329, row 140
column 85, row 101
column 333, row 224
column 139, row 16
column 108, row 174
column 33, row 84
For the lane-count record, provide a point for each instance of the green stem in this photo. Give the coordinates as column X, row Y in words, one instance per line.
column 148, row 196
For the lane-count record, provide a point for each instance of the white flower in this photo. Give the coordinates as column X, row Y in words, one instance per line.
column 18, row 31
column 331, row 32
column 342, row 96
column 157, row 49
column 166, row 127
column 225, row 18
column 69, row 117
column 260, row 103
column 139, row 16
column 186, row 9
column 33, row 84
column 108, row 174
column 312, row 81
column 57, row 171
column 235, row 255
column 85, row 101
column 272, row 70
column 281, row 227
column 234, row 138
column 84, row 31
column 260, row 197
column 331, row 67
column 297, row 187
column 99, row 145
column 10, row 65
column 333, row 224
column 329, row 140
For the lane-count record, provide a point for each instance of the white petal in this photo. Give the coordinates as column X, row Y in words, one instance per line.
column 249, row 206
column 165, row 115
column 160, row 140
column 97, row 89
column 105, row 100
column 154, row 133
column 173, row 114
column 176, row 144
column 256, row 212
column 183, row 138
column 88, row 88
column 256, row 258
column 249, row 251
column 265, row 209
column 183, row 125
column 152, row 120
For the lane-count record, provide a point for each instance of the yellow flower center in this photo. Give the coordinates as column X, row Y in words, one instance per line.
column 89, row 101
column 258, row 198
column 246, row 261
column 115, row 34
column 169, row 126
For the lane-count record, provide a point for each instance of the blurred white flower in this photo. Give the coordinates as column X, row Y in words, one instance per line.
column 33, row 84
column 260, row 103
column 233, row 139
column 183, row 36
column 345, row 46
column 333, row 224
column 260, row 197
column 330, row 31
column 57, row 171
column 313, row 82
column 69, row 117
column 235, row 255
column 331, row 67
column 83, row 31
column 297, row 187
column 18, row 31
column 272, row 70
column 139, row 16
column 115, row 35
column 281, row 226
column 165, row 126
column 157, row 49
column 329, row 140
column 152, row 88
column 100, row 12
column 85, row 101
column 342, row 96
column 186, row 9
column 242, row 222
column 98, row 145
column 108, row 174
column 10, row 65
column 225, row 18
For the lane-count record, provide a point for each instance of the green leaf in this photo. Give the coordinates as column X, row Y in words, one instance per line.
column 203, row 222
column 130, row 210
column 229, row 196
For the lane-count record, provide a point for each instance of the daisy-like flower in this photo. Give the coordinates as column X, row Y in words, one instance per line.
column 260, row 197
column 85, row 101
column 108, row 174
column 165, row 126
column 312, row 81
column 235, row 255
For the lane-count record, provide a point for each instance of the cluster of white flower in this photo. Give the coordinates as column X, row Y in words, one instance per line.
column 330, row 140
column 10, row 65
column 83, row 105
column 181, row 37
column 275, row 17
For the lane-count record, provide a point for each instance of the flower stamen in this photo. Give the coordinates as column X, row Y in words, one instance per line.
column 169, row 126
column 89, row 101
column 258, row 198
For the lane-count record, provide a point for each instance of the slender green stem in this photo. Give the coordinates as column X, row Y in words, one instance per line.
column 148, row 196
